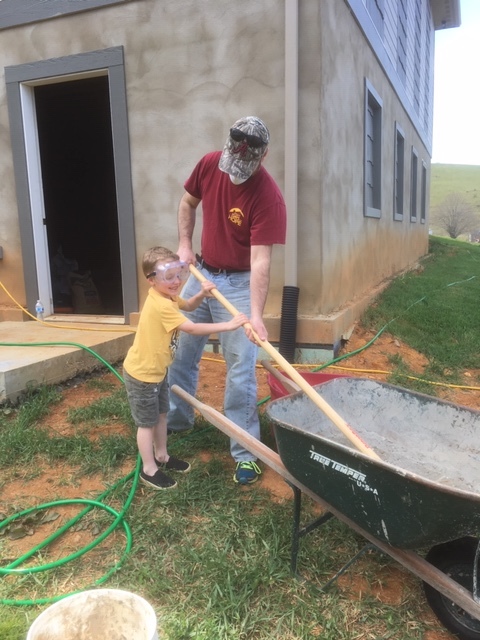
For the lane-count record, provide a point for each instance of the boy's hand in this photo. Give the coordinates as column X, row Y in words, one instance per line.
column 207, row 287
column 238, row 321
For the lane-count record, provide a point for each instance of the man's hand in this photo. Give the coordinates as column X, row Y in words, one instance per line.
column 259, row 328
column 186, row 254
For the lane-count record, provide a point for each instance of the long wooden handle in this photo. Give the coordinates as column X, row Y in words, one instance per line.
column 316, row 398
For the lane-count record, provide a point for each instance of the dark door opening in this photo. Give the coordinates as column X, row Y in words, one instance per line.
column 78, row 174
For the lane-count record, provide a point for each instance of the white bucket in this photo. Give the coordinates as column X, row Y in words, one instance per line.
column 100, row 614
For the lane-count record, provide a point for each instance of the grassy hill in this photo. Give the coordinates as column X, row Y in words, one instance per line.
column 454, row 178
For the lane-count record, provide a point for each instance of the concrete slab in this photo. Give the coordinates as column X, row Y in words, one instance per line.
column 33, row 353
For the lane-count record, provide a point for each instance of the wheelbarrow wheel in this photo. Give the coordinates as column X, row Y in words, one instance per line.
column 455, row 559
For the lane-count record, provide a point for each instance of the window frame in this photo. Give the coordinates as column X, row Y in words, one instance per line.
column 423, row 193
column 413, row 185
column 399, row 174
column 22, row 78
column 372, row 160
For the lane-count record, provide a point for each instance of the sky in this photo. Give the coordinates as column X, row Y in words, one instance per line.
column 456, row 106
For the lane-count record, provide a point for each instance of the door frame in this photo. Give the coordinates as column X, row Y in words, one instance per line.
column 20, row 82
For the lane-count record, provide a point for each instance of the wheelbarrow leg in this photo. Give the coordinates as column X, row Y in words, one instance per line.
column 298, row 532
column 476, row 596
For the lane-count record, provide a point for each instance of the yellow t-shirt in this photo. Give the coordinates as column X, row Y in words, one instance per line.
column 156, row 339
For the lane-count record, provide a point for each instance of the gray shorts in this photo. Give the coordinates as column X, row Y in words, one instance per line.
column 147, row 400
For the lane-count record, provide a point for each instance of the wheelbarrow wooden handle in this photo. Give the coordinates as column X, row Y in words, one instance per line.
column 316, row 398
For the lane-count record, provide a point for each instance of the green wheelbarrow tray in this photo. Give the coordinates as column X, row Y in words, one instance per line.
column 425, row 490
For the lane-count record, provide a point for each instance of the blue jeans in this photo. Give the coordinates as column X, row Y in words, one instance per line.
column 240, row 401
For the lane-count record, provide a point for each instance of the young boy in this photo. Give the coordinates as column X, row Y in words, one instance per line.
column 145, row 366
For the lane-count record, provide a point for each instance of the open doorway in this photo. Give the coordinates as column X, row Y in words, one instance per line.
column 71, row 154
column 78, row 178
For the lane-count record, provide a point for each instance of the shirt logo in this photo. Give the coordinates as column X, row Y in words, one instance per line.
column 236, row 216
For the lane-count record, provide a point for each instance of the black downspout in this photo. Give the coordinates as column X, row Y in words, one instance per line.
column 288, row 323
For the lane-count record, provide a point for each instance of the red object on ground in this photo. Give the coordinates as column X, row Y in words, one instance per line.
column 277, row 390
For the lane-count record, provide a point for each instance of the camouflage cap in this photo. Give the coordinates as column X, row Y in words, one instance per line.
column 239, row 158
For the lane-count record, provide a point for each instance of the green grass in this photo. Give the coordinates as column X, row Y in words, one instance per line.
column 436, row 311
column 213, row 558
column 109, row 409
column 24, row 433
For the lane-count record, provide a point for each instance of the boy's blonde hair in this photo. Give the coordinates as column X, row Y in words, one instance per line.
column 153, row 255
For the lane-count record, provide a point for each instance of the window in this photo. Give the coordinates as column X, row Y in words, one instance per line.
column 423, row 203
column 399, row 173
column 372, row 153
column 413, row 186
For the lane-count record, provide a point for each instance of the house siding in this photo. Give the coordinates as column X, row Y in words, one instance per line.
column 415, row 89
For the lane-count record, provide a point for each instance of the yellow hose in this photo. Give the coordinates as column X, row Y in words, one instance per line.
column 372, row 371
column 59, row 326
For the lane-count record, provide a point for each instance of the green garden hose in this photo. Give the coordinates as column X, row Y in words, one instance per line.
column 12, row 568
column 119, row 519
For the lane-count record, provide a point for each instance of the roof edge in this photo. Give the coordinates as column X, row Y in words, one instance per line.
column 446, row 14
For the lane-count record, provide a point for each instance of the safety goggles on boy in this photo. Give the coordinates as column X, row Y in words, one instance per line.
column 171, row 271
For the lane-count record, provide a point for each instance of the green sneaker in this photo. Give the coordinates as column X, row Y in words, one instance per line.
column 246, row 472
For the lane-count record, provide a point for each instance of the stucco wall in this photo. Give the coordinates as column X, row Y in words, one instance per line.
column 191, row 70
column 348, row 253
column 190, row 74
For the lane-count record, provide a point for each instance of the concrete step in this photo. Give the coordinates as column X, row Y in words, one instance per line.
column 33, row 353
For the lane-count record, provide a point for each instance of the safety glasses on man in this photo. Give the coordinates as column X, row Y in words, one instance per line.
column 170, row 271
column 237, row 135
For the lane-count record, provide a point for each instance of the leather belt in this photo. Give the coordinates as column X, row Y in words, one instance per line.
column 215, row 270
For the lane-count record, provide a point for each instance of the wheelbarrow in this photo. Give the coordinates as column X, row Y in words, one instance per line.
column 421, row 492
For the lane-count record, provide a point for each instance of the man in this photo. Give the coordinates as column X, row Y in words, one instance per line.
column 243, row 217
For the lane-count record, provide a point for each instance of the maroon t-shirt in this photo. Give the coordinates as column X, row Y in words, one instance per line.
column 236, row 216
